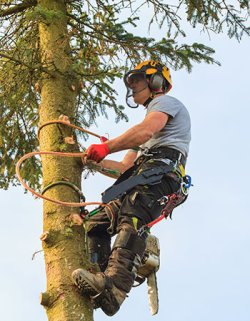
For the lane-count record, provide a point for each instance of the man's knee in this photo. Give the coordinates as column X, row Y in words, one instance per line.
column 128, row 238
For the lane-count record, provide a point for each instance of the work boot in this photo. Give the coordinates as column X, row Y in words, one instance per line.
column 89, row 283
column 101, row 290
column 125, row 258
column 108, row 290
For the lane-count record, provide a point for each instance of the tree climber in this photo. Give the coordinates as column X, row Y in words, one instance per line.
column 152, row 168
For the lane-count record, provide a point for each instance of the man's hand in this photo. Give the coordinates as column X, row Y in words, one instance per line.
column 97, row 152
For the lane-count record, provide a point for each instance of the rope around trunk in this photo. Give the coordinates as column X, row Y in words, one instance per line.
column 61, row 154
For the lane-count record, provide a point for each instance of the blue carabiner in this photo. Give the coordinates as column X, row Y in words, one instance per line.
column 189, row 181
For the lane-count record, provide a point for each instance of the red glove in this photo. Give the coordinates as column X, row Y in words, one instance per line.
column 97, row 152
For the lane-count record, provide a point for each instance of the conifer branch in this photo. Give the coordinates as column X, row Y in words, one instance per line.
column 237, row 21
column 118, row 41
column 22, row 63
column 18, row 8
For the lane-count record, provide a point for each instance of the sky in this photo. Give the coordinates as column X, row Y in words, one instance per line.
column 204, row 273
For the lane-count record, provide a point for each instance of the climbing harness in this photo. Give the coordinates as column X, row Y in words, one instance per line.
column 148, row 176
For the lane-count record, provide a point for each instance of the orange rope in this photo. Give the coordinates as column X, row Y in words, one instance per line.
column 67, row 124
column 22, row 159
column 96, row 167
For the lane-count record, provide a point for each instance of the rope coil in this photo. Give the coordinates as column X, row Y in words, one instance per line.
column 61, row 154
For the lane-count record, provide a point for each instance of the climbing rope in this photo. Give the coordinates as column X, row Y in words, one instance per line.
column 61, row 154
column 73, row 186
column 69, row 204
column 67, row 123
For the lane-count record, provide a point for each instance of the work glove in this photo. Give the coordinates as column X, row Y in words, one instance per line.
column 97, row 152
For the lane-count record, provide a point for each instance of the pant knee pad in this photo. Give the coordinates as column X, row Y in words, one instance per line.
column 129, row 240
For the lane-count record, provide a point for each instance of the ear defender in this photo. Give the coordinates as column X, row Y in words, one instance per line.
column 156, row 82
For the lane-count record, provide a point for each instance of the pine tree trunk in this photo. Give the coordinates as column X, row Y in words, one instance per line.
column 63, row 241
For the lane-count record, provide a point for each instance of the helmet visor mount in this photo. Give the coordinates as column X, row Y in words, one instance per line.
column 135, row 81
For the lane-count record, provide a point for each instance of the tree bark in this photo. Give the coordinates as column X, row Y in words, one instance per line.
column 63, row 241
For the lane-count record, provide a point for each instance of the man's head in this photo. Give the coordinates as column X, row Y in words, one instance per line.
column 148, row 79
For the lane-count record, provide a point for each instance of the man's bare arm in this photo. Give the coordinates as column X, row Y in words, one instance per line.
column 119, row 167
column 123, row 165
column 139, row 134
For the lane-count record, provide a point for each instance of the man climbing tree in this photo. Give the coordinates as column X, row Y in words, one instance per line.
column 162, row 139
column 62, row 57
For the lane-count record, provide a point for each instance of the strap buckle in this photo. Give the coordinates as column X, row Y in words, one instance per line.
column 147, row 152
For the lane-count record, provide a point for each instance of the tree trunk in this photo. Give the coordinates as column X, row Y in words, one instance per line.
column 63, row 241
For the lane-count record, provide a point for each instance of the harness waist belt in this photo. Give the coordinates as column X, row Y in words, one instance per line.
column 150, row 176
column 166, row 152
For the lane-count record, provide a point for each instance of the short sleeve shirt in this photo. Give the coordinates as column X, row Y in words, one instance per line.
column 177, row 131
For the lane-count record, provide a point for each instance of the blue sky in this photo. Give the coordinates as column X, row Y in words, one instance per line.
column 205, row 265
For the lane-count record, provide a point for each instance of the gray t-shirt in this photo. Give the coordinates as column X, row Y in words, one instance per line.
column 177, row 131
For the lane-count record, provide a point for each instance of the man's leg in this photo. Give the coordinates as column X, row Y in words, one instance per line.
column 109, row 289
column 99, row 249
column 138, row 208
column 99, row 229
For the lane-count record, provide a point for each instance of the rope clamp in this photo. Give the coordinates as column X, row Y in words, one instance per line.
column 163, row 200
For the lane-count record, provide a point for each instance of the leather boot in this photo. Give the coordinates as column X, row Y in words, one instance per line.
column 109, row 289
column 100, row 288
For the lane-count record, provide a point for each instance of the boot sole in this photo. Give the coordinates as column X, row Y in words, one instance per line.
column 103, row 299
column 83, row 283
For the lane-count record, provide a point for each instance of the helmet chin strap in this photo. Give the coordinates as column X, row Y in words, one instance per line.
column 151, row 97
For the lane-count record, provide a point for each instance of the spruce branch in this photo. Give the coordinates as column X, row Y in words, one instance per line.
column 30, row 67
column 235, row 22
column 26, row 4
